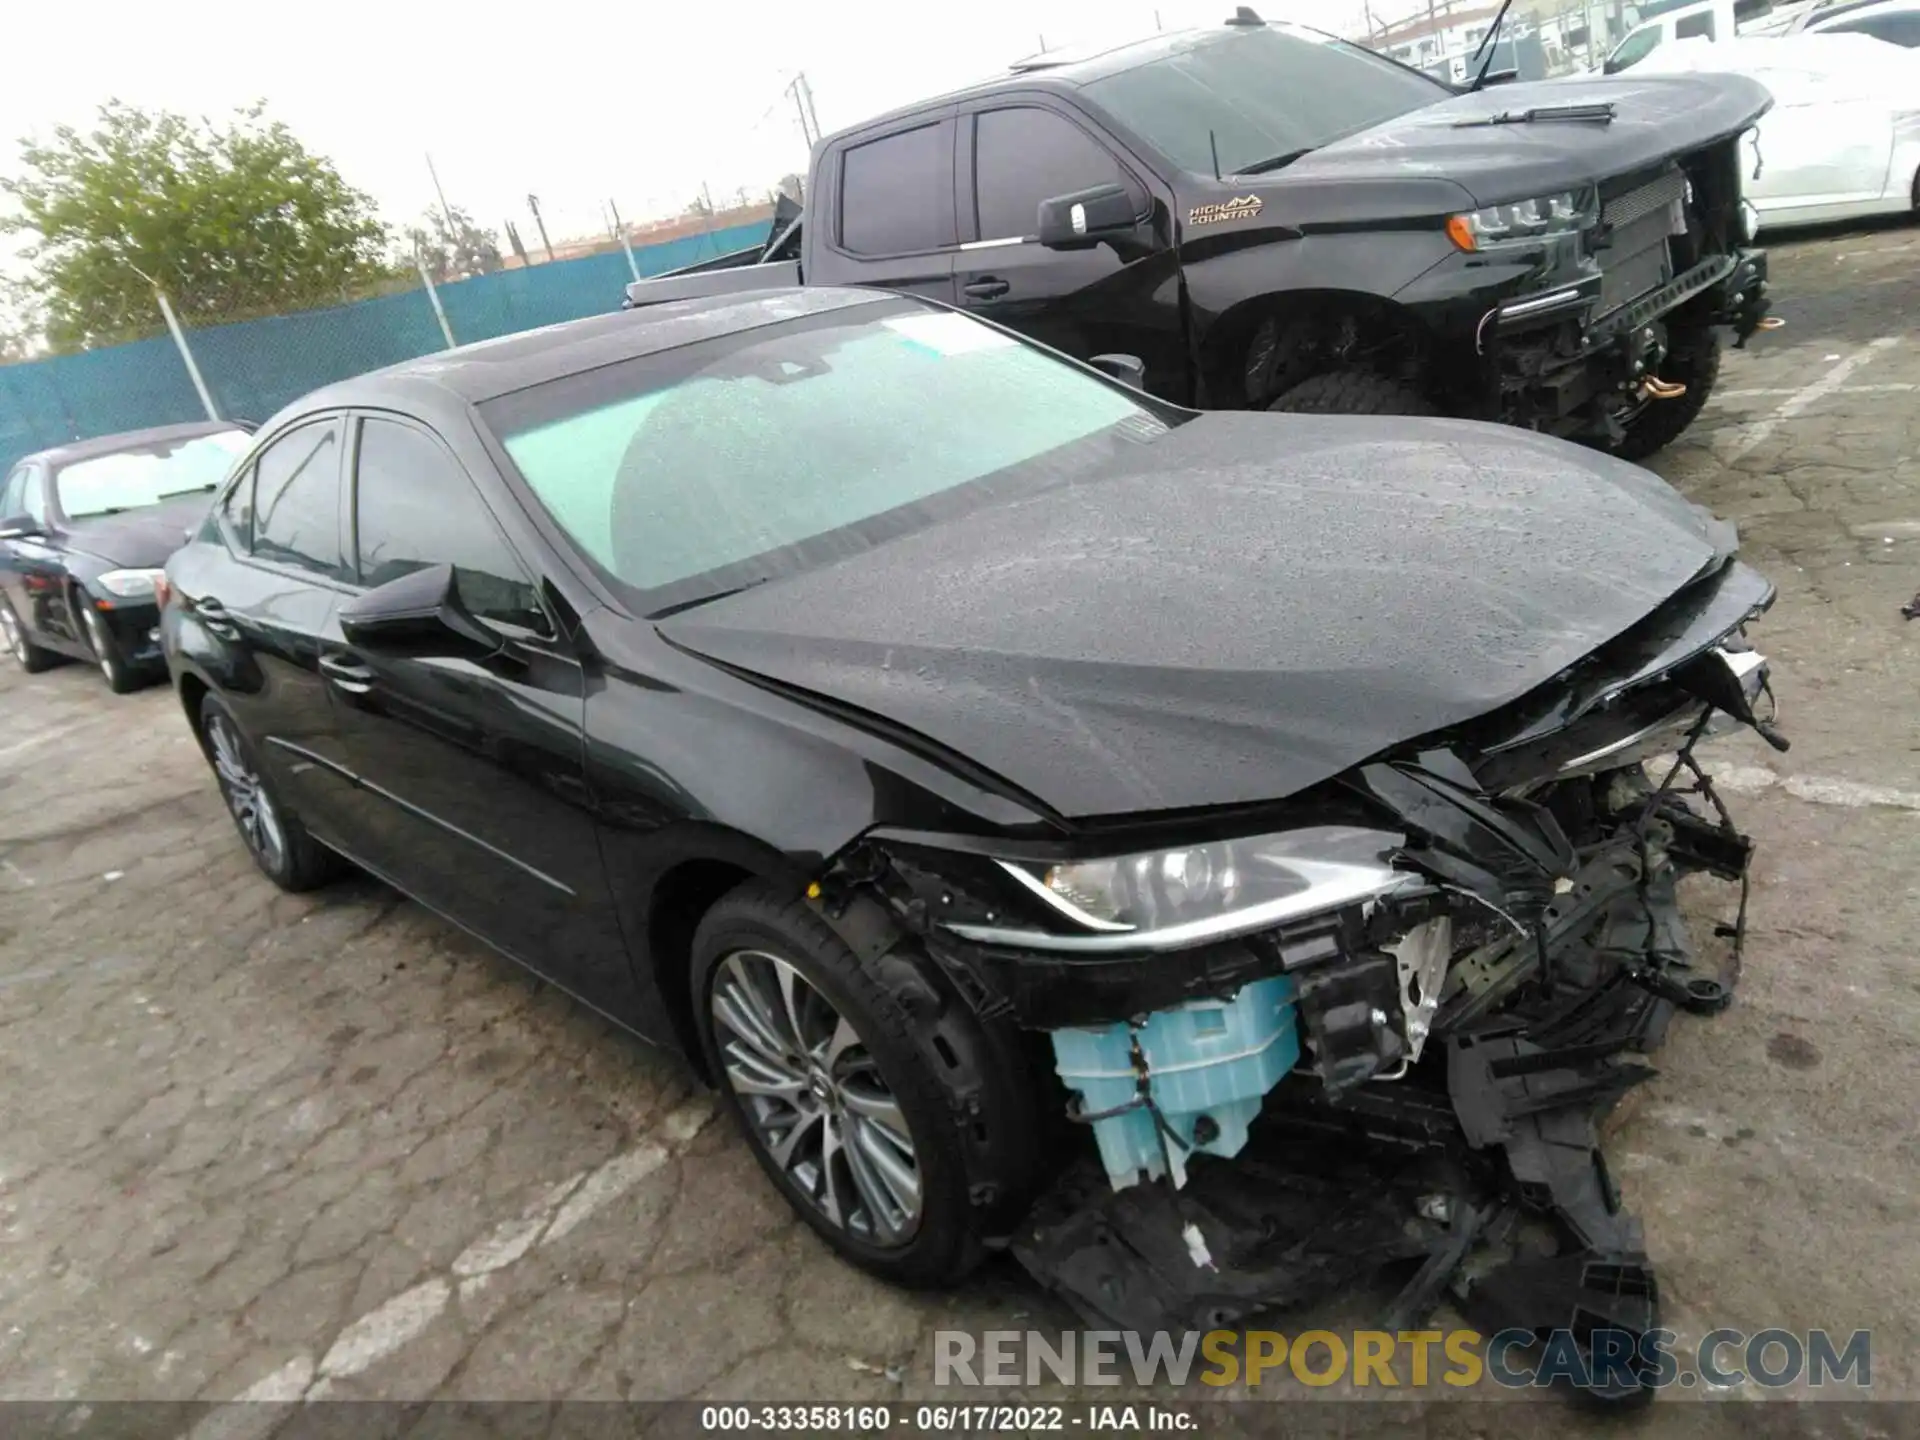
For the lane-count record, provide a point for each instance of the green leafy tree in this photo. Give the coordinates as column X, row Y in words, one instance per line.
column 452, row 246
column 231, row 220
column 20, row 323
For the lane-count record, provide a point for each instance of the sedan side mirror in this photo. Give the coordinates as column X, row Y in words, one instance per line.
column 1083, row 219
column 419, row 613
column 1127, row 369
column 19, row 527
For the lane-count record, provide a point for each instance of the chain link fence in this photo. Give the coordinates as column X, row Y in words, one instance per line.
column 246, row 366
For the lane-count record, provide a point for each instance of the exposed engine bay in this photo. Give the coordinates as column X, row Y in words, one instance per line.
column 1466, row 949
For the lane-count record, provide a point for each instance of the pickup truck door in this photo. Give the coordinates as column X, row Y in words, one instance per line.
column 1083, row 302
column 895, row 225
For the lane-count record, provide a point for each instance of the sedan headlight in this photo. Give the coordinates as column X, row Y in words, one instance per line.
column 130, row 584
column 1525, row 220
column 1164, row 899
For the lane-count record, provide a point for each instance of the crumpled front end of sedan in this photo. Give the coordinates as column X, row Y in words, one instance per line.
column 1380, row 1022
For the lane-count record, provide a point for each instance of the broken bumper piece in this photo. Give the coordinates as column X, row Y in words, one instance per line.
column 1458, row 1049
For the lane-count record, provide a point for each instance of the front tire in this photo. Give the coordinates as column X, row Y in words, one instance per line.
column 271, row 831
column 120, row 676
column 1694, row 362
column 870, row 1102
column 13, row 632
column 1352, row 392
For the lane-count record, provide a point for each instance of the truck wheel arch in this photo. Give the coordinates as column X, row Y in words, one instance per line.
column 1244, row 360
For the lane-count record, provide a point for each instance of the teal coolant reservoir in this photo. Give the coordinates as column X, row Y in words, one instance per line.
column 1208, row 1065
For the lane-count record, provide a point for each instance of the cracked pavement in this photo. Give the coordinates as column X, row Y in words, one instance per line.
column 255, row 1144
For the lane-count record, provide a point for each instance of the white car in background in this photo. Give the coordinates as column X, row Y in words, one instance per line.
column 1842, row 140
column 1895, row 21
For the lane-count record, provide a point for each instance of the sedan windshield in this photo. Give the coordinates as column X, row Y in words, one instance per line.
column 147, row 474
column 708, row 468
column 1262, row 95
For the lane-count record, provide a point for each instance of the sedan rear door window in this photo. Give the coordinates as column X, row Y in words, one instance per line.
column 296, row 504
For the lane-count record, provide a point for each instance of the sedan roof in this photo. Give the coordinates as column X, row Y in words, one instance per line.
column 491, row 368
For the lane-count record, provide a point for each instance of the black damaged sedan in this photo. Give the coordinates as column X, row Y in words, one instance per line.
column 1219, row 854
column 84, row 531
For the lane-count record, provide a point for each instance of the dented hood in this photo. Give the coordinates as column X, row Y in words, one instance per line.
column 1238, row 610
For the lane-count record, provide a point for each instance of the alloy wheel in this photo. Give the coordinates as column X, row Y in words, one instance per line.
column 252, row 811
column 97, row 637
column 15, row 637
column 815, row 1099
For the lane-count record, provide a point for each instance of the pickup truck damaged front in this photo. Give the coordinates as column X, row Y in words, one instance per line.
column 1428, row 1052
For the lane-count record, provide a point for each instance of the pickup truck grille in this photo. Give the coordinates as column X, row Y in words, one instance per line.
column 1639, row 224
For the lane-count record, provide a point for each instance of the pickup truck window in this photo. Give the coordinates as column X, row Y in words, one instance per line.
column 1024, row 155
column 1636, row 47
column 783, row 448
column 1263, row 94
column 896, row 193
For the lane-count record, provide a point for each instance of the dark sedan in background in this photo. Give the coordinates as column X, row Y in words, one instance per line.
column 915, row 726
column 84, row 531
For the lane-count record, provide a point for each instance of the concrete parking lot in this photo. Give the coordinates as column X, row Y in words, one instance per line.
column 253, row 1144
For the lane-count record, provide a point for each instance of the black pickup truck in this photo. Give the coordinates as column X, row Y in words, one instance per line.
column 1267, row 217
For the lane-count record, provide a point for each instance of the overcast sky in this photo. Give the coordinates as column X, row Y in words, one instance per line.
column 575, row 103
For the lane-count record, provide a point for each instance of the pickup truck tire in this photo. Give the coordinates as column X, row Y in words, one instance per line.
column 1694, row 362
column 1352, row 392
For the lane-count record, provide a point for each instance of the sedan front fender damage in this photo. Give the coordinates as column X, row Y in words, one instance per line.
column 1444, row 1110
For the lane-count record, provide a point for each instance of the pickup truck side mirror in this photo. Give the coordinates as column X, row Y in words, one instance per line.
column 419, row 613
column 20, row 527
column 1127, row 369
column 1086, row 217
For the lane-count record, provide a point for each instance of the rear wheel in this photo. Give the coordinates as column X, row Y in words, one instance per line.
column 883, row 1128
column 1352, row 392
column 1693, row 361
column 13, row 634
column 274, row 836
column 120, row 676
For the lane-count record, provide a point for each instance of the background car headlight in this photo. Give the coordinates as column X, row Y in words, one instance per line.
column 1188, row 895
column 129, row 584
column 1525, row 220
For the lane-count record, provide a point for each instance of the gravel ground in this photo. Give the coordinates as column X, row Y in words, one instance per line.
column 267, row 1145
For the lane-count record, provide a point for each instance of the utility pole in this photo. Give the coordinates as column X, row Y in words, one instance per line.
column 446, row 210
column 802, row 94
column 620, row 234
column 513, row 239
column 533, row 204
column 806, row 89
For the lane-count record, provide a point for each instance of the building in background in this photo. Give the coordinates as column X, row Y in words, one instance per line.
column 1539, row 38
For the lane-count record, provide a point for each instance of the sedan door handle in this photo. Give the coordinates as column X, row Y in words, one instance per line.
column 987, row 287
column 213, row 615
column 349, row 675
